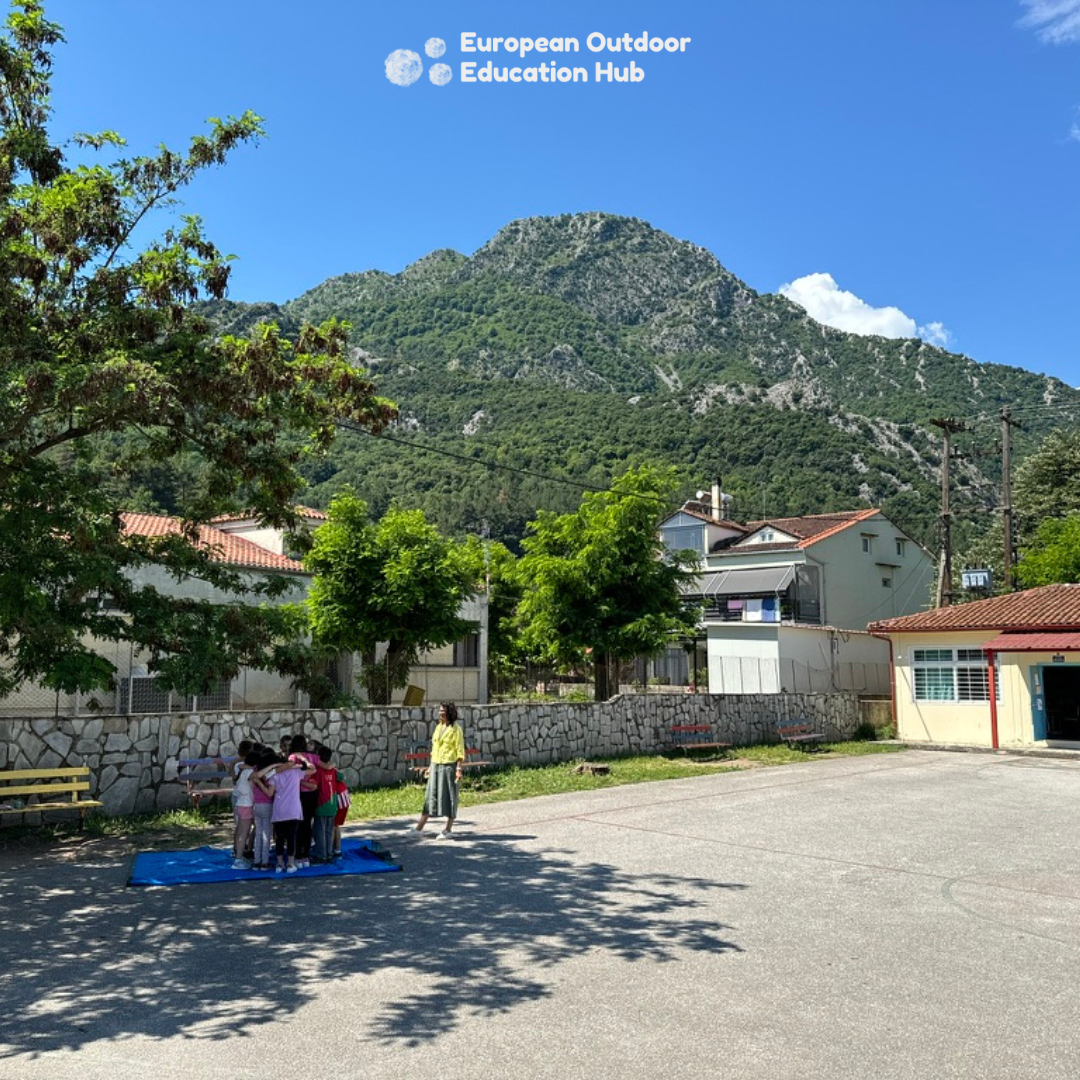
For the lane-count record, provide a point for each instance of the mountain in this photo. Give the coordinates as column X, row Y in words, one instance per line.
column 575, row 345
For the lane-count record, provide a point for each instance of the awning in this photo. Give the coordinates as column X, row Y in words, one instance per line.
column 1062, row 641
column 749, row 582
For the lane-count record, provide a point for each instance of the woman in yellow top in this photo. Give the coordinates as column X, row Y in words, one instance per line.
column 444, row 772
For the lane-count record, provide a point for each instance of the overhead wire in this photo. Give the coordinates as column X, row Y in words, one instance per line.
column 498, row 466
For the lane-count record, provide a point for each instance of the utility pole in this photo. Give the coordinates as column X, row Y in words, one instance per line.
column 483, row 690
column 944, row 589
column 1006, row 494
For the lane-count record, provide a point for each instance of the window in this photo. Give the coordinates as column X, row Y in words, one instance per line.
column 467, row 651
column 900, row 545
column 867, row 544
column 684, row 538
column 886, row 582
column 952, row 675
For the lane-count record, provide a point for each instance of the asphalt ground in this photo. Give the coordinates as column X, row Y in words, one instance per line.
column 904, row 915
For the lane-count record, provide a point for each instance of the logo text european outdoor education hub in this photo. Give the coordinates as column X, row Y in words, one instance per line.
column 404, row 67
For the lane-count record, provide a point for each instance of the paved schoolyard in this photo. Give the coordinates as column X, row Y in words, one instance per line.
column 905, row 915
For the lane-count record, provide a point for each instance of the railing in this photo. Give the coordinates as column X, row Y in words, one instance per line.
column 717, row 609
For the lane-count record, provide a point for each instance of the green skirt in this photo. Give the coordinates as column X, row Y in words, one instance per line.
column 441, row 797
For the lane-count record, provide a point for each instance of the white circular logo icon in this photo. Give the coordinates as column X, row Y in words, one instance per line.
column 404, row 67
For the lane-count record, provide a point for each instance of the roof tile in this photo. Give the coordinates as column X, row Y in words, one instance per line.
column 807, row 530
column 1051, row 607
column 226, row 548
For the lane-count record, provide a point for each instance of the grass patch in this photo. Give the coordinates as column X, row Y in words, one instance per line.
column 213, row 823
column 526, row 782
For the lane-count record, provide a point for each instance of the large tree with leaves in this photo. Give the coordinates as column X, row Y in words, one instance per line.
column 599, row 581
column 96, row 344
column 1052, row 555
column 397, row 581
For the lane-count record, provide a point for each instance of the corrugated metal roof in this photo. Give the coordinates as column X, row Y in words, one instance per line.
column 748, row 582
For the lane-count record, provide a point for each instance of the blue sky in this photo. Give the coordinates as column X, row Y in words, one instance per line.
column 921, row 156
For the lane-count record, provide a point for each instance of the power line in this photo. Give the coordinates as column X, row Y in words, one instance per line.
column 496, row 466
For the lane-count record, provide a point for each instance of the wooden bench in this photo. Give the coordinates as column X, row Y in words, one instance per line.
column 687, row 737
column 799, row 734
column 420, row 759
column 196, row 773
column 46, row 789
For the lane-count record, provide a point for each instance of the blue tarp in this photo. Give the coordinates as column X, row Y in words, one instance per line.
column 206, row 865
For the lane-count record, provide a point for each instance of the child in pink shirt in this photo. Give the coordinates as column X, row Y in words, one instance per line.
column 286, row 813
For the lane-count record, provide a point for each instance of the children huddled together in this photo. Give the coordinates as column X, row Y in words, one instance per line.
column 288, row 806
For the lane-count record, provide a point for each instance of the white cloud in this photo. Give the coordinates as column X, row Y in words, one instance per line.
column 936, row 334
column 1074, row 131
column 1056, row 22
column 826, row 302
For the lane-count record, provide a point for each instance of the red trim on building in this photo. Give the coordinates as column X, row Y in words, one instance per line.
column 993, row 700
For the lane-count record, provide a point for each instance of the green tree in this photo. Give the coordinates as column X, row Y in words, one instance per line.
column 397, row 581
column 599, row 579
column 1053, row 555
column 97, row 341
column 1047, row 483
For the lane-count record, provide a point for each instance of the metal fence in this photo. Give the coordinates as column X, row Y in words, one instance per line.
column 749, row 675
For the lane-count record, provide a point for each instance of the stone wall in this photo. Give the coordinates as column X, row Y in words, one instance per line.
column 133, row 759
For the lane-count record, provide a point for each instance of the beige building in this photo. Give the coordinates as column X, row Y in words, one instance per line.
column 454, row 673
column 1026, row 644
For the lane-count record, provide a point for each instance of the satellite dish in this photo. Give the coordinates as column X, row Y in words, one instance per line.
column 700, row 495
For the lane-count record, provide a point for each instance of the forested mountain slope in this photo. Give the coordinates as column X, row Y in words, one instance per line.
column 572, row 346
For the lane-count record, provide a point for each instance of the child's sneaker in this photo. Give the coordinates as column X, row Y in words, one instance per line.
column 279, row 869
column 241, row 864
column 291, row 868
column 446, row 834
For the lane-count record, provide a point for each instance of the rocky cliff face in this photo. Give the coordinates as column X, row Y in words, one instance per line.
column 573, row 345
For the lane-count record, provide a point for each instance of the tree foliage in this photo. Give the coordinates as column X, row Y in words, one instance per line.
column 597, row 580
column 1053, row 555
column 397, row 581
column 97, row 342
column 1048, row 481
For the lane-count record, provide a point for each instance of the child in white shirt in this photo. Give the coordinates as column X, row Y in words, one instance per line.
column 243, row 815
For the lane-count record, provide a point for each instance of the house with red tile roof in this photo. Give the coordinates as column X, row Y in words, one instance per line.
column 248, row 527
column 786, row 600
column 243, row 543
column 1025, row 644
column 226, row 545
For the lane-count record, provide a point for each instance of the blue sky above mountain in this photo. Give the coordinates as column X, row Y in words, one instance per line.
column 909, row 165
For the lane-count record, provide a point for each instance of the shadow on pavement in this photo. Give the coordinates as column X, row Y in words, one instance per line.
column 477, row 922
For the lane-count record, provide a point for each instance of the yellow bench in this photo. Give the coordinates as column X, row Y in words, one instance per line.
column 28, row 791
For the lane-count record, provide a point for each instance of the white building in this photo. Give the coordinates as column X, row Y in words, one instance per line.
column 452, row 673
column 786, row 601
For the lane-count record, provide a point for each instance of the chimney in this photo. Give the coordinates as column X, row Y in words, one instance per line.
column 716, row 504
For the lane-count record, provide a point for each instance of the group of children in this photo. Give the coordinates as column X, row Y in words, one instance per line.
column 288, row 806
